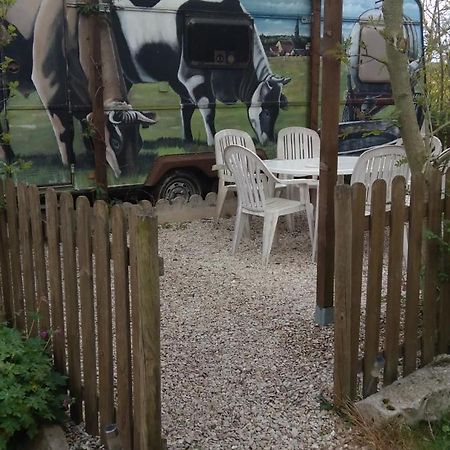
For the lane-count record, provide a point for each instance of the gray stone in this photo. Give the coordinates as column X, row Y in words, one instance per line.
column 50, row 437
column 422, row 395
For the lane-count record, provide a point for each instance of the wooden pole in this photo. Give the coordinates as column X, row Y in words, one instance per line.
column 328, row 160
column 149, row 340
column 98, row 113
column 314, row 66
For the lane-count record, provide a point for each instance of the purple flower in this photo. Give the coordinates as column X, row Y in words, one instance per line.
column 44, row 334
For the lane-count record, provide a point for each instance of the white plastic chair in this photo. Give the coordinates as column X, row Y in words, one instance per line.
column 256, row 196
column 222, row 140
column 381, row 162
column 298, row 143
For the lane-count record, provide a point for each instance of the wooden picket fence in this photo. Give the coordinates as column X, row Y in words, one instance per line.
column 92, row 275
column 386, row 339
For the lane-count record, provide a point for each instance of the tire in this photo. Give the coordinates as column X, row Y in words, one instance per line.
column 179, row 183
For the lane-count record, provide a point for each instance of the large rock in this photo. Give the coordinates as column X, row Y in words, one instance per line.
column 50, row 437
column 422, row 395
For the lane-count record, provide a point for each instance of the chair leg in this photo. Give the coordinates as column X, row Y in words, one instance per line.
column 238, row 230
column 316, row 228
column 405, row 244
column 221, row 196
column 269, row 228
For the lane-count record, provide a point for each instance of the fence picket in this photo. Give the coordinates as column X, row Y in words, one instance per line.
column 374, row 279
column 31, row 306
column 431, row 273
column 137, row 390
column 397, row 227
column 149, row 308
column 14, row 248
column 84, row 245
column 39, row 257
column 54, row 279
column 416, row 216
column 343, row 296
column 71, row 303
column 444, row 300
column 5, row 268
column 104, row 313
column 123, row 339
column 357, row 242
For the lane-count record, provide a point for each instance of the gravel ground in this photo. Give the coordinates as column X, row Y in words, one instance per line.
column 243, row 365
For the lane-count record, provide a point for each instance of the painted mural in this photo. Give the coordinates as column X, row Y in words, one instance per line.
column 175, row 71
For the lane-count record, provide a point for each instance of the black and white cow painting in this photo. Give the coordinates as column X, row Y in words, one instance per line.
column 151, row 50
column 50, row 52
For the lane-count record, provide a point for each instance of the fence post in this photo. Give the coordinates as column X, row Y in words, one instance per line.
column 149, row 318
column 343, row 298
column 5, row 273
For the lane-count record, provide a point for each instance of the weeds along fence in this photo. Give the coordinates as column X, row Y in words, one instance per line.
column 89, row 276
column 404, row 324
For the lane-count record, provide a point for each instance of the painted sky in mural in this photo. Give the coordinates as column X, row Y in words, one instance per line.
column 287, row 11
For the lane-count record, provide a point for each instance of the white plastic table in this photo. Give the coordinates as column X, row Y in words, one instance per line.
column 308, row 167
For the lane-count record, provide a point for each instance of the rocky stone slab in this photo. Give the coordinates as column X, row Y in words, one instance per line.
column 50, row 437
column 422, row 395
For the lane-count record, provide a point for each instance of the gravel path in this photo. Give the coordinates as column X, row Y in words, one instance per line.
column 243, row 365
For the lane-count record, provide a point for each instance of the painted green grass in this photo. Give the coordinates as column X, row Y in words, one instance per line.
column 33, row 138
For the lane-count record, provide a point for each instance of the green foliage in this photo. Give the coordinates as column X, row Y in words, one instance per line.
column 432, row 436
column 87, row 9
column 10, row 169
column 31, row 392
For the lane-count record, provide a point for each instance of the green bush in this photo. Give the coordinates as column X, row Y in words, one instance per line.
column 31, row 392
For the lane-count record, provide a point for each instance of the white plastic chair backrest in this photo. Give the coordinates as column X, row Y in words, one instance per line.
column 222, row 140
column 254, row 181
column 383, row 162
column 298, row 143
column 435, row 144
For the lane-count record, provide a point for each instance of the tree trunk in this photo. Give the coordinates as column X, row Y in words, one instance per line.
column 397, row 61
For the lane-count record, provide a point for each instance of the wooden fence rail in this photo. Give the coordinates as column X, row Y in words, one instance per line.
column 398, row 325
column 92, row 276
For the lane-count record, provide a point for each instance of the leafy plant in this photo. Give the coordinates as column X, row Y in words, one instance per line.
column 10, row 169
column 31, row 392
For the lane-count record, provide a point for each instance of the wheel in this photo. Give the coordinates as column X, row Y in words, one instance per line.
column 179, row 183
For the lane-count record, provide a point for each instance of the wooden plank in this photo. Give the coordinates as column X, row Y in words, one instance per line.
column 416, row 215
column 39, row 258
column 31, row 306
column 137, row 390
column 119, row 253
column 104, row 312
column 14, row 248
column 84, row 245
column 5, row 267
column 149, row 307
column 444, row 299
column 54, row 279
column 357, row 243
column 374, row 280
column 430, row 294
column 394, row 283
column 315, row 66
column 71, row 303
column 343, row 296
column 328, row 156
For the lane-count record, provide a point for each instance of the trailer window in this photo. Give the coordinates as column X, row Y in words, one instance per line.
column 218, row 43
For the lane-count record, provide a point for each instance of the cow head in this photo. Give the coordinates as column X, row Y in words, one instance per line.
column 265, row 106
column 122, row 137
